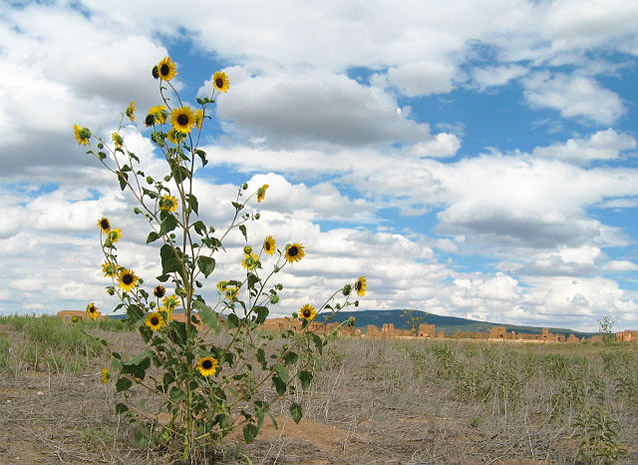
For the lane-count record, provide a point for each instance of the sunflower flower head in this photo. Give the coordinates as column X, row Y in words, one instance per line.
column 221, row 82
column 130, row 111
column 168, row 203
column 250, row 261
column 261, row 193
column 91, row 310
column 82, row 135
column 269, row 245
column 113, row 236
column 174, row 136
column 117, row 139
column 159, row 113
column 294, row 252
column 159, row 291
column 155, row 321
column 232, row 292
column 105, row 375
column 166, row 69
column 307, row 312
column 183, row 119
column 127, row 280
column 170, row 302
column 222, row 285
column 104, row 224
column 207, row 366
column 109, row 269
column 360, row 286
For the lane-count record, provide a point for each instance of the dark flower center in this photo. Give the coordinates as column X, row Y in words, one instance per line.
column 159, row 291
column 105, row 224
column 358, row 285
column 127, row 279
column 154, row 321
column 164, row 70
column 150, row 120
column 267, row 246
column 219, row 82
column 182, row 120
column 293, row 251
column 307, row 313
column 207, row 364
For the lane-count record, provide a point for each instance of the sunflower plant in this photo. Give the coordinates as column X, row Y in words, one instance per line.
column 214, row 369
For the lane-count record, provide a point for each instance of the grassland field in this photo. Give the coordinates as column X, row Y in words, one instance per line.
column 374, row 401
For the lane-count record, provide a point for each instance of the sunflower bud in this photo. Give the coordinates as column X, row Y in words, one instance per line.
column 274, row 299
column 245, row 186
column 347, row 289
column 248, row 249
column 155, row 72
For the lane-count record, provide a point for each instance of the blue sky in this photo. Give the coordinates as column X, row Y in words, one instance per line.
column 473, row 159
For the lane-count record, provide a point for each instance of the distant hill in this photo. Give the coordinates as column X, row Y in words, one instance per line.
column 449, row 324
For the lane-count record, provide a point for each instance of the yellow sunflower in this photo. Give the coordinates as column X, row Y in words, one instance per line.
column 127, row 280
column 199, row 119
column 113, row 236
column 155, row 321
column 82, row 135
column 117, row 139
column 91, row 310
column 222, row 285
column 104, row 224
column 168, row 202
column 171, row 301
column 261, row 192
column 109, row 269
column 269, row 245
column 231, row 292
column 250, row 261
column 307, row 312
column 294, row 252
column 360, row 286
column 105, row 375
column 160, row 113
column 207, row 365
column 166, row 69
column 183, row 119
column 174, row 136
column 130, row 111
column 159, row 291
column 221, row 82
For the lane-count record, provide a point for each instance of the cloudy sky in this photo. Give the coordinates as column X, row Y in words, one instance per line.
column 473, row 159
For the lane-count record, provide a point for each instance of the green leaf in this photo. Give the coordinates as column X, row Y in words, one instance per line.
column 206, row 264
column 233, row 321
column 250, row 431
column 238, row 206
column 295, row 411
column 168, row 224
column 306, row 378
column 283, row 372
column 193, row 203
column 242, row 228
column 152, row 236
column 123, row 384
column 120, row 408
column 290, row 358
column 207, row 315
column 138, row 365
column 200, row 227
column 201, row 154
column 262, row 314
column 261, row 358
column 134, row 313
column 149, row 192
column 170, row 261
column 280, row 386
column 123, row 178
column 177, row 394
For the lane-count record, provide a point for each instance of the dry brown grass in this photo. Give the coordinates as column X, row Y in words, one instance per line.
column 375, row 401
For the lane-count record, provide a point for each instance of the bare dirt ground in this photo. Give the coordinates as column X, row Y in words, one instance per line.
column 376, row 401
